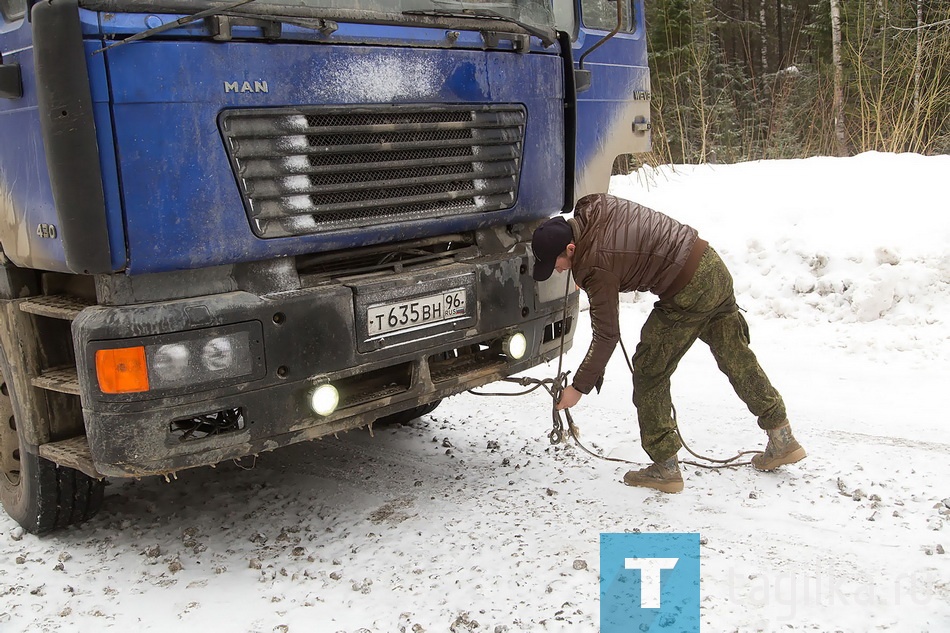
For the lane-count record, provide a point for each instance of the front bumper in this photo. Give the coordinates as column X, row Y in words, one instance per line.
column 308, row 337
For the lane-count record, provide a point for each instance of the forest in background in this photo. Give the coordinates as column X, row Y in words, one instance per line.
column 737, row 80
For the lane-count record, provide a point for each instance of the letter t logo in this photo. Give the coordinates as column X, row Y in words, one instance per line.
column 649, row 578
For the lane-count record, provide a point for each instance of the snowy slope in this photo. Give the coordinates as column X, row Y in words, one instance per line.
column 468, row 520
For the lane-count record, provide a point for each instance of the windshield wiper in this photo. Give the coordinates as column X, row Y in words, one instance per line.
column 547, row 37
column 188, row 19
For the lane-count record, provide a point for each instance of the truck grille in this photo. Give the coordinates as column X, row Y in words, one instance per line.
column 321, row 169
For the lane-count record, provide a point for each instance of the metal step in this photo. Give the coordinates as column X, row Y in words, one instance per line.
column 55, row 306
column 62, row 379
column 360, row 398
column 72, row 453
column 440, row 371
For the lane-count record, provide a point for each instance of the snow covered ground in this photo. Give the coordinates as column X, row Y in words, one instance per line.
column 468, row 520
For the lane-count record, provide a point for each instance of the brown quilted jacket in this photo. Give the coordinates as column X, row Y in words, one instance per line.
column 622, row 246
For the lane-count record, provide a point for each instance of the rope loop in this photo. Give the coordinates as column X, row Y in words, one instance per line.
column 555, row 387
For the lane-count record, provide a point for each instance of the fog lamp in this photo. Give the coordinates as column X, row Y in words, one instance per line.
column 515, row 346
column 324, row 399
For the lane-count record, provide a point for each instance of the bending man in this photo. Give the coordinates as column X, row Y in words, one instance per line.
column 614, row 245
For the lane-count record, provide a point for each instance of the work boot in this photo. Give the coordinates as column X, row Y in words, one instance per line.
column 782, row 449
column 663, row 476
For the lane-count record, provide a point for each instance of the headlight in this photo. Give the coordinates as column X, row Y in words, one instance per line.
column 218, row 354
column 198, row 360
column 324, row 399
column 515, row 346
column 191, row 360
column 170, row 361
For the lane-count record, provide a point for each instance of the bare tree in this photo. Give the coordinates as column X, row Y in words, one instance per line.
column 920, row 24
column 839, row 78
column 781, row 43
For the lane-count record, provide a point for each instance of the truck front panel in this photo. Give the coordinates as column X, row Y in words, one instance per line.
column 182, row 199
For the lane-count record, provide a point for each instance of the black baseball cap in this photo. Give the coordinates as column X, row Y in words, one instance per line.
column 549, row 241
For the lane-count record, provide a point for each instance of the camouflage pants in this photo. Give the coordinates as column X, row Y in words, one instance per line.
column 706, row 309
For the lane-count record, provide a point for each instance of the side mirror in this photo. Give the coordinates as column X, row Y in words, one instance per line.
column 11, row 84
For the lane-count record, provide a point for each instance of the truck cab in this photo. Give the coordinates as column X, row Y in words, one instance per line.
column 227, row 227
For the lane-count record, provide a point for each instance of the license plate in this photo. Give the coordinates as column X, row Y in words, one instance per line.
column 410, row 313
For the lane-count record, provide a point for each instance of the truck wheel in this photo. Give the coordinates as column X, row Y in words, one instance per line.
column 35, row 492
column 403, row 417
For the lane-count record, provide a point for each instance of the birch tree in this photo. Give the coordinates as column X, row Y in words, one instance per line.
column 839, row 78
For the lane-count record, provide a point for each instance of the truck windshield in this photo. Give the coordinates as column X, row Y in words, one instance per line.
column 535, row 13
column 538, row 13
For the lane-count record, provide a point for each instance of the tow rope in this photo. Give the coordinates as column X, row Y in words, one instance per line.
column 555, row 386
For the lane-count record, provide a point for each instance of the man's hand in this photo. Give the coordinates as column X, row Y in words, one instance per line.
column 569, row 397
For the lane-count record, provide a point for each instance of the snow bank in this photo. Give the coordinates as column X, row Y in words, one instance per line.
column 821, row 239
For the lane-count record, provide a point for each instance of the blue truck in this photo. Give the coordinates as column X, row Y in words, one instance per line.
column 228, row 227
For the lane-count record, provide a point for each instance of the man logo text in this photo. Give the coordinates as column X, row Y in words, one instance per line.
column 246, row 86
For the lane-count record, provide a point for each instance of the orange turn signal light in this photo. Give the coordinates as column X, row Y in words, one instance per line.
column 122, row 370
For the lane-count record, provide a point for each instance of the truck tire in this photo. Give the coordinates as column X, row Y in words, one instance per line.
column 35, row 492
column 403, row 417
